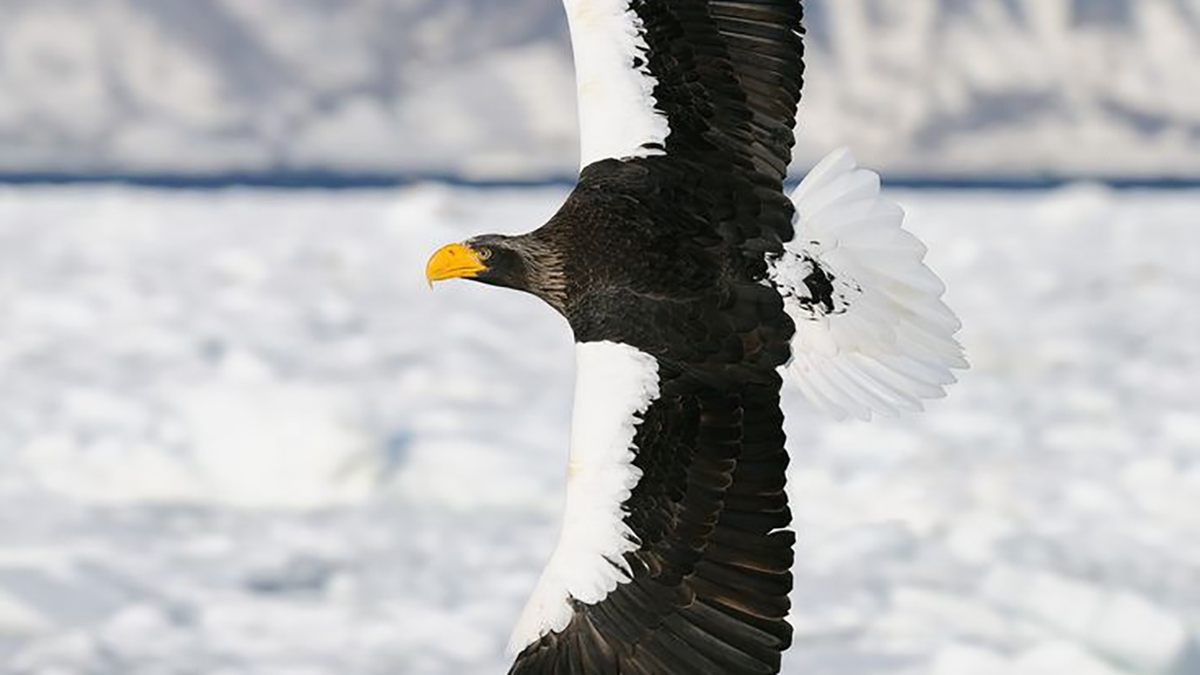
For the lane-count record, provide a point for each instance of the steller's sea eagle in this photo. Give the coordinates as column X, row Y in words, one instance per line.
column 693, row 284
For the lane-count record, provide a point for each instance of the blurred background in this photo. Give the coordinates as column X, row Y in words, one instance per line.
column 239, row 436
column 474, row 88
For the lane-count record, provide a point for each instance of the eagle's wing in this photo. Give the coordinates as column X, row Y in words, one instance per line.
column 872, row 332
column 673, row 557
column 712, row 82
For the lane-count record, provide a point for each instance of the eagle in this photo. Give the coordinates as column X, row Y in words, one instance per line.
column 693, row 285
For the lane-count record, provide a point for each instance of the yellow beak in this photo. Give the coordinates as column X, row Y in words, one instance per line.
column 453, row 261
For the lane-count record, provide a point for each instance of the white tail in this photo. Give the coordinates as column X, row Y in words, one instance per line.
column 872, row 333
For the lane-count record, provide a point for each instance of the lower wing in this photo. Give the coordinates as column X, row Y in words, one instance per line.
column 672, row 559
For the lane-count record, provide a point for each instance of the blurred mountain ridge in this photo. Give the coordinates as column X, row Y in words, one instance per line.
column 480, row 88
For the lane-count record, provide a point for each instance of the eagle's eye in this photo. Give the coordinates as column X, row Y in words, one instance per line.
column 483, row 252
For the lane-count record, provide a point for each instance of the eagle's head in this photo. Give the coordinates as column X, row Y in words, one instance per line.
column 523, row 263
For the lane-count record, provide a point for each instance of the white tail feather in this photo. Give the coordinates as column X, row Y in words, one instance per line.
column 872, row 333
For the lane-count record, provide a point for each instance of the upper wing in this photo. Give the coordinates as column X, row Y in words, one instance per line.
column 713, row 81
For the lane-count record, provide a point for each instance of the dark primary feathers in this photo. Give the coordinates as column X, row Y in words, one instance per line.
column 729, row 77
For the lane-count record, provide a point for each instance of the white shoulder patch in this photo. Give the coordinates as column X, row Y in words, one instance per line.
column 614, row 384
column 872, row 333
column 617, row 115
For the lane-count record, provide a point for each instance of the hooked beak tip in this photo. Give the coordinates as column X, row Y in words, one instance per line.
column 453, row 261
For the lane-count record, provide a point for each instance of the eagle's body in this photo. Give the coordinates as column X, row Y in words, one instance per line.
column 675, row 265
column 704, row 582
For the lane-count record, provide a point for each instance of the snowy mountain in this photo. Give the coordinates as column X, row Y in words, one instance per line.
column 484, row 88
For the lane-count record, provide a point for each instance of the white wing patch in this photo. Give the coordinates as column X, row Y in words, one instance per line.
column 617, row 115
column 872, row 333
column 614, row 384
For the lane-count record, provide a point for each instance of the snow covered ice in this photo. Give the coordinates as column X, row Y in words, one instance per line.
column 240, row 436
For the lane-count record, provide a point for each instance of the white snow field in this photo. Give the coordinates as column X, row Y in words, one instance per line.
column 240, row 436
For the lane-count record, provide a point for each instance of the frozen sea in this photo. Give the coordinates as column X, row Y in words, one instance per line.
column 240, row 436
